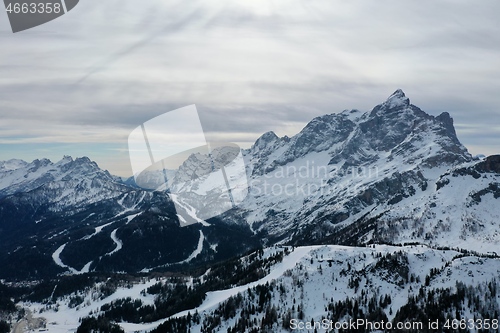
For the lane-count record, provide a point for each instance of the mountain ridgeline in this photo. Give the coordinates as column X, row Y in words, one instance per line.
column 394, row 174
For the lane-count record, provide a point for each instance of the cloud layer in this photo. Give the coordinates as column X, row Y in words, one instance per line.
column 91, row 76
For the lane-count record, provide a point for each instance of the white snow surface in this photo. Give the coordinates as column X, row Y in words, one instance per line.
column 117, row 241
column 196, row 251
column 319, row 269
column 58, row 261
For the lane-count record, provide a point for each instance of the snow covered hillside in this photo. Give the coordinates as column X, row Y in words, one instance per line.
column 393, row 174
column 307, row 284
column 71, row 217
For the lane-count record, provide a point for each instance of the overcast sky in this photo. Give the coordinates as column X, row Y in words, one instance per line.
column 80, row 84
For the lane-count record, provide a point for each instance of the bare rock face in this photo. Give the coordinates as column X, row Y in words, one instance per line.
column 490, row 164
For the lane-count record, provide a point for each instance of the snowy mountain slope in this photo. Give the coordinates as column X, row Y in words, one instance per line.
column 72, row 217
column 460, row 209
column 25, row 177
column 312, row 283
column 151, row 179
column 346, row 176
column 333, row 275
column 393, row 174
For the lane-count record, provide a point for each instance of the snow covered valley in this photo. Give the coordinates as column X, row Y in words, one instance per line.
column 319, row 284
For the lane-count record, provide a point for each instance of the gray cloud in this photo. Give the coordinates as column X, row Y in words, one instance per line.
column 104, row 68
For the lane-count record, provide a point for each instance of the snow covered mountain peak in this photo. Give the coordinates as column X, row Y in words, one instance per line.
column 397, row 103
column 397, row 99
column 12, row 164
column 265, row 140
column 20, row 176
column 328, row 178
column 65, row 159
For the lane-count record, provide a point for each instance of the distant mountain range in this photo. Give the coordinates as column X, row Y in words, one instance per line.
column 394, row 174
